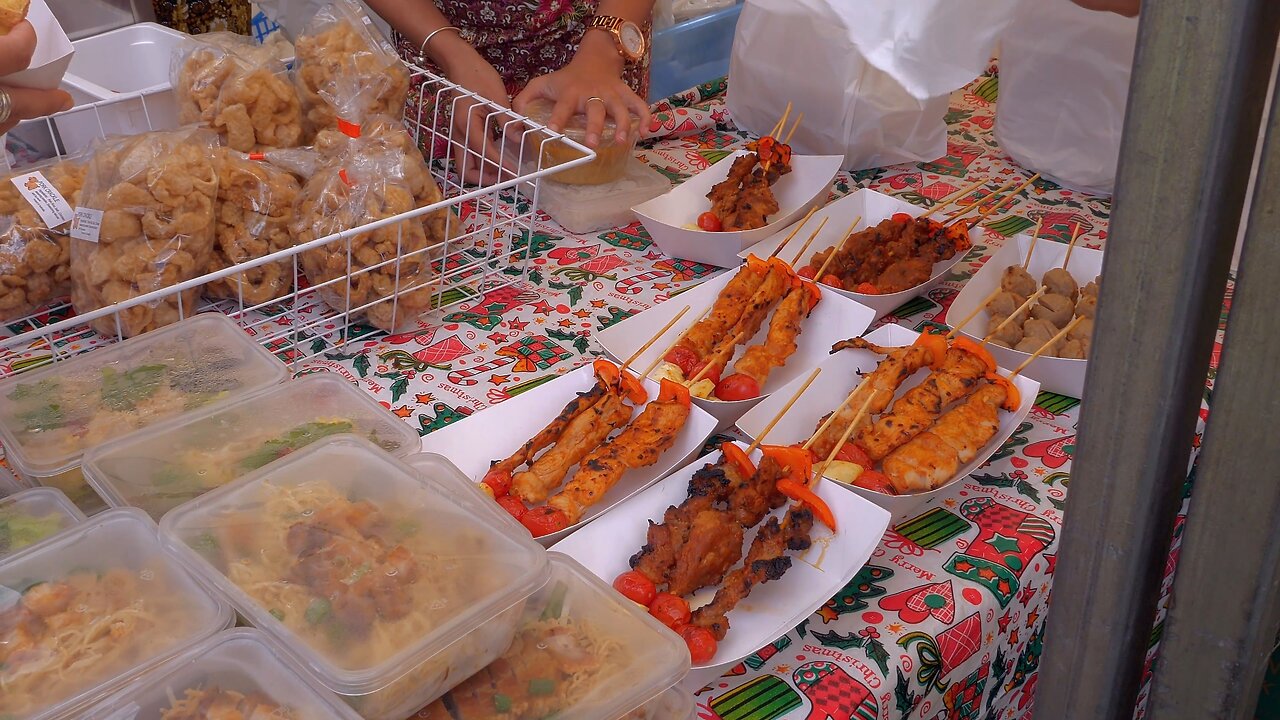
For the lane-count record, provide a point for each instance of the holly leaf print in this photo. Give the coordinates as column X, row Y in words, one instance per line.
column 575, row 294
column 1026, row 488
column 877, row 652
column 340, row 357
column 841, row 642
column 398, row 388
column 1059, row 505
column 803, row 628
column 905, row 699
column 361, row 365
column 535, row 276
column 1000, row 481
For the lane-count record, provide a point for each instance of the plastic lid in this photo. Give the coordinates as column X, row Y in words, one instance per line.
column 32, row 515
column 92, row 608
column 234, row 670
column 50, row 416
column 357, row 567
column 539, row 111
column 674, row 704
column 437, row 470
column 170, row 463
column 9, row 483
column 581, row 652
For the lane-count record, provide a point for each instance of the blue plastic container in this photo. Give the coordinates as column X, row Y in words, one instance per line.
column 692, row 52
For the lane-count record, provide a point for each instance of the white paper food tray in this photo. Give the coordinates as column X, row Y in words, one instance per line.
column 1059, row 375
column 872, row 207
column 672, row 219
column 840, row 374
column 773, row 608
column 835, row 318
column 52, row 56
column 497, row 431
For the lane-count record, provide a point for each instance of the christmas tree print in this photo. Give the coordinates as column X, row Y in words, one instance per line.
column 863, row 587
column 441, row 416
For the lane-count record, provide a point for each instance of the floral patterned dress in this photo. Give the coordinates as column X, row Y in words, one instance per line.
column 522, row 39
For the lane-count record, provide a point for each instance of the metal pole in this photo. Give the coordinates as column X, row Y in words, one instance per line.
column 1226, row 607
column 1199, row 80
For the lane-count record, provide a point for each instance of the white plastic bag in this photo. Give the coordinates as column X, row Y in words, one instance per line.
column 1064, row 82
column 873, row 78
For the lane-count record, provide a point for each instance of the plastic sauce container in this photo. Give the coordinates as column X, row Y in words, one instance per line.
column 33, row 515
column 611, row 156
column 50, row 417
column 581, row 652
column 387, row 590
column 103, row 595
column 178, row 460
column 238, row 670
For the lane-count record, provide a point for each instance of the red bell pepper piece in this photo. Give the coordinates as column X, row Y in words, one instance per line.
column 802, row 494
column 735, row 456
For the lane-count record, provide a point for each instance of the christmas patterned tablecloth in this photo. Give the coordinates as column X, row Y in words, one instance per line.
column 946, row 621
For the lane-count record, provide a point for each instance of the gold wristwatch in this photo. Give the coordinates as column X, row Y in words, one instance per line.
column 628, row 36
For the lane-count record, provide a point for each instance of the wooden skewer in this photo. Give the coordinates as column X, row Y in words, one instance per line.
column 715, row 359
column 652, row 340
column 809, row 242
column 956, row 196
column 1021, row 309
column 1005, row 201
column 799, row 225
column 1072, row 246
column 781, row 123
column 832, row 417
column 1035, row 235
column 955, row 329
column 844, row 438
column 795, row 127
column 657, row 360
column 978, row 205
column 1052, row 341
column 785, row 409
column 835, row 249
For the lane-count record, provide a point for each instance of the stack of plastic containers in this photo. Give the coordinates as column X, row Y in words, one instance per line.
column 176, row 461
column 50, row 417
column 234, row 674
column 9, row 484
column 89, row 610
column 32, row 515
column 581, row 651
column 387, row 590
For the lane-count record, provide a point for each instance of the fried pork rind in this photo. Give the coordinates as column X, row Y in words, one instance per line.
column 157, row 193
column 240, row 89
column 255, row 207
column 340, row 49
column 368, row 185
column 35, row 261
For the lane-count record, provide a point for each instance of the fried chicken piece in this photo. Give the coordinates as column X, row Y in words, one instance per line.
column 637, row 446
column 755, row 203
column 754, row 497
column 724, row 194
column 766, row 560
column 709, row 486
column 714, row 545
column 931, row 459
column 904, row 274
column 725, row 312
column 581, row 436
column 548, row 435
column 920, row 406
column 898, row 365
column 784, row 327
column 755, row 311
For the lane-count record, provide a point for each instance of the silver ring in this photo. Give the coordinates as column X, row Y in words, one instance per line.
column 6, row 106
column 597, row 99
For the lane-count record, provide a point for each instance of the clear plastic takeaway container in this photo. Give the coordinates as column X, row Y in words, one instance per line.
column 237, row 673
column 50, row 417
column 33, row 515
column 101, row 603
column 612, row 157
column 387, row 590
column 9, row 483
column 176, row 461
column 674, row 704
column 581, row 652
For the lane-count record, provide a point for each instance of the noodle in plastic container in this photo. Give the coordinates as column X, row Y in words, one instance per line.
column 86, row 611
column 35, row 260
column 581, row 651
column 237, row 673
column 388, row 590
column 156, row 195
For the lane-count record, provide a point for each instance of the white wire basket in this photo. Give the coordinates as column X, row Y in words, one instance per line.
column 488, row 232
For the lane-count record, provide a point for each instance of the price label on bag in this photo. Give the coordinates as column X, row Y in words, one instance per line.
column 87, row 224
column 44, row 198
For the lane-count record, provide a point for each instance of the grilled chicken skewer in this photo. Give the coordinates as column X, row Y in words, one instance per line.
column 898, row 365
column 545, row 437
column 581, row 436
column 931, row 458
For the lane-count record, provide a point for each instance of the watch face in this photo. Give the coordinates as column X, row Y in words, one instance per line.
column 632, row 39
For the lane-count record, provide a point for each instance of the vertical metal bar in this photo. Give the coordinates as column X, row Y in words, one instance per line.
column 1184, row 166
column 1226, row 606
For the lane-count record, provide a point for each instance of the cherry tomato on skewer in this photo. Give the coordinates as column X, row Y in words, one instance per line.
column 670, row 610
column 867, row 288
column 713, row 374
column 544, row 521
column 513, row 505
column 854, row 454
column 737, row 387
column 635, row 587
column 831, row 280
column 683, row 358
column 902, row 218
column 876, row 482
column 702, row 643
column 499, row 481
column 807, row 272
column 710, row 222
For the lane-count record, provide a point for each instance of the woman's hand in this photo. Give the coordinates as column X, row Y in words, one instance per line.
column 596, row 71
column 16, row 49
column 474, row 122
